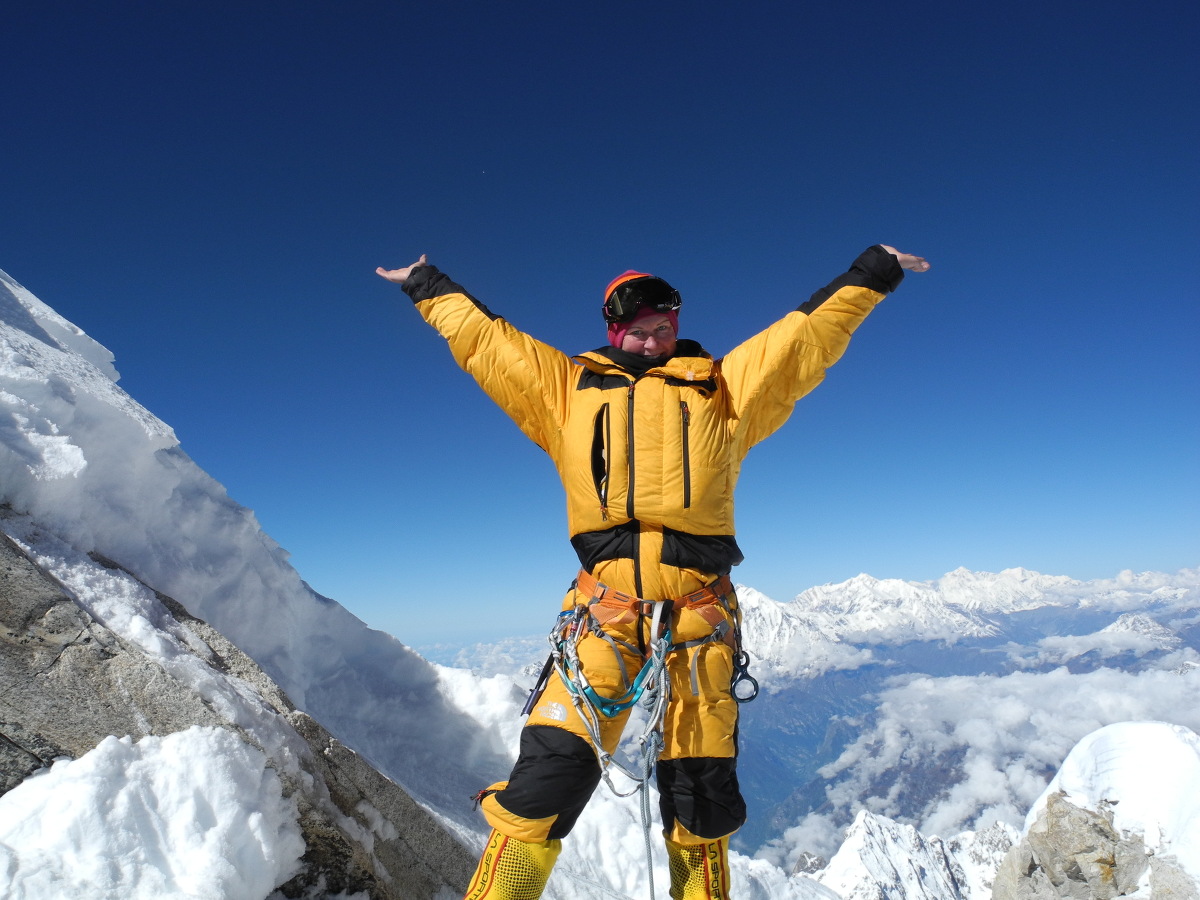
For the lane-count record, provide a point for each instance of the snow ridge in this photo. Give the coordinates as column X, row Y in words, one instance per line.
column 99, row 473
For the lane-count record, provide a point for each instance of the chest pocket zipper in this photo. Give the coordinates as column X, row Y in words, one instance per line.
column 600, row 463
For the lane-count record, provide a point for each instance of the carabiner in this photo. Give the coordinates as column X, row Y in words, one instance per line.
column 741, row 674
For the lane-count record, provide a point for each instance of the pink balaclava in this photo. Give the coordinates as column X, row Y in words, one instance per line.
column 617, row 330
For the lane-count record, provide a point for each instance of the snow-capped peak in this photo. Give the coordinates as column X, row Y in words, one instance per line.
column 1141, row 624
column 23, row 311
column 880, row 859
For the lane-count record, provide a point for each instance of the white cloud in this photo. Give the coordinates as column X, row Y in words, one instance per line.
column 995, row 741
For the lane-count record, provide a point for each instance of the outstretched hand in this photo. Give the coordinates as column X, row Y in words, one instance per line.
column 399, row 276
column 906, row 260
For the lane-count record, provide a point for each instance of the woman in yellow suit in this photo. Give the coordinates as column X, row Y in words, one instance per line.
column 648, row 435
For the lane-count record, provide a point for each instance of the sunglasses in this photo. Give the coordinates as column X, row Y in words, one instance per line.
column 652, row 293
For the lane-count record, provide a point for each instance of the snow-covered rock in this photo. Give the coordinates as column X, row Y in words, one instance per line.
column 152, row 759
column 1121, row 818
column 188, row 799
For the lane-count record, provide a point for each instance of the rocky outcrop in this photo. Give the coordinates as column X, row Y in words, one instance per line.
column 67, row 682
column 1078, row 853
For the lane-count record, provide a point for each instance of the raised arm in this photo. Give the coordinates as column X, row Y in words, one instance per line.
column 768, row 373
column 528, row 379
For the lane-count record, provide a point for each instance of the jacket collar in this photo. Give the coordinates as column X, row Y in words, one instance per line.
column 691, row 362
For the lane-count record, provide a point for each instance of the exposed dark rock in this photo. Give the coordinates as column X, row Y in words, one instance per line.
column 1078, row 853
column 67, row 682
column 808, row 863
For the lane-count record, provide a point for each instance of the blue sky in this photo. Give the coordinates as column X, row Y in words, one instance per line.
column 207, row 189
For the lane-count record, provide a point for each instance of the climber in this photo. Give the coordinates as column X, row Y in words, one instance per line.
column 648, row 434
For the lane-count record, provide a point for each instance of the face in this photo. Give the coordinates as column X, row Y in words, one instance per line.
column 650, row 336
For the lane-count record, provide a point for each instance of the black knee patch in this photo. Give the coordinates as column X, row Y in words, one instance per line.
column 555, row 774
column 702, row 795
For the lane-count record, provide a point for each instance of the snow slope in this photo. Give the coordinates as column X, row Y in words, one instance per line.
column 92, row 468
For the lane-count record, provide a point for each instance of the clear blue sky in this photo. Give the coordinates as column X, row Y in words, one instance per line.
column 207, row 189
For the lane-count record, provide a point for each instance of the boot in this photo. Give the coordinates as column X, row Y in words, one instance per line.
column 511, row 869
column 699, row 871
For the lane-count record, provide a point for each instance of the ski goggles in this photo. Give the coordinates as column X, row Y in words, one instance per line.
column 648, row 293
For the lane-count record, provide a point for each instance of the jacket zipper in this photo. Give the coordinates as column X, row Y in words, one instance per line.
column 686, row 420
column 629, row 444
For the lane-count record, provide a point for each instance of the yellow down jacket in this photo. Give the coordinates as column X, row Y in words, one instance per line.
column 649, row 463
